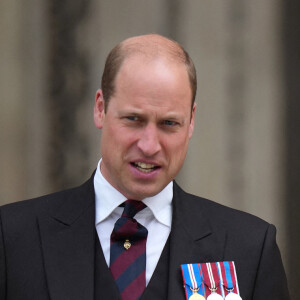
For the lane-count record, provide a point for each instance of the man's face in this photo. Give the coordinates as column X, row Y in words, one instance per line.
column 147, row 126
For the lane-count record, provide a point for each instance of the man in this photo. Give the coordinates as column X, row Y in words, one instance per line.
column 49, row 248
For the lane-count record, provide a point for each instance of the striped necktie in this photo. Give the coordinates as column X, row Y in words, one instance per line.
column 128, row 252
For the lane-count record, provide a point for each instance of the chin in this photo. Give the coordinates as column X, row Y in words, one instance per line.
column 143, row 193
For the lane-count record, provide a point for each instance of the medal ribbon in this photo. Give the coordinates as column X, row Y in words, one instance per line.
column 211, row 278
column 192, row 279
column 228, row 277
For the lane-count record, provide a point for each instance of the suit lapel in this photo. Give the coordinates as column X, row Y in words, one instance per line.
column 68, row 239
column 192, row 239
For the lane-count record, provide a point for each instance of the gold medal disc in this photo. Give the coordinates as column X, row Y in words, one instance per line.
column 197, row 296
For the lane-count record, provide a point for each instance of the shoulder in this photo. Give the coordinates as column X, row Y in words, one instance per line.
column 26, row 210
column 219, row 215
column 238, row 236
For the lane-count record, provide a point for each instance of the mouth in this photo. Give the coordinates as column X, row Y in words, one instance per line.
column 144, row 167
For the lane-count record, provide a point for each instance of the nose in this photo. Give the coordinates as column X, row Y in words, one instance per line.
column 149, row 142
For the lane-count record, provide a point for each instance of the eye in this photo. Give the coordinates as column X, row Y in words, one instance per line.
column 169, row 123
column 132, row 118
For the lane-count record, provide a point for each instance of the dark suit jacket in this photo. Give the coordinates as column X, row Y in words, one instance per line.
column 47, row 248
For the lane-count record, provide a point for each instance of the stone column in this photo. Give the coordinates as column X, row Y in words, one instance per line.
column 23, row 118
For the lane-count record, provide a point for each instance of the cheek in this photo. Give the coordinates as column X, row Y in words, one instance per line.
column 177, row 147
column 120, row 139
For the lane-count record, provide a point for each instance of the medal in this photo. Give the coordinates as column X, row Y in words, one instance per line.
column 229, row 280
column 195, row 295
column 211, row 280
column 233, row 296
column 215, row 296
column 193, row 284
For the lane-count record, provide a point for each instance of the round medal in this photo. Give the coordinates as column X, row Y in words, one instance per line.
column 197, row 296
column 233, row 296
column 215, row 296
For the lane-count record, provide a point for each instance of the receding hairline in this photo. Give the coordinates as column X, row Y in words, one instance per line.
column 152, row 46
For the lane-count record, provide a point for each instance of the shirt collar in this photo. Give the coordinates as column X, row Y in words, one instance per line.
column 108, row 199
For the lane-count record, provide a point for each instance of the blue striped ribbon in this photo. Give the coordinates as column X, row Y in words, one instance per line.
column 192, row 279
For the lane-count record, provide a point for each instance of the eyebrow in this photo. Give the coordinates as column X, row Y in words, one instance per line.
column 139, row 112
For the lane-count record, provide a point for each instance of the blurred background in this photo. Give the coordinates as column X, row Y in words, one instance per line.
column 245, row 149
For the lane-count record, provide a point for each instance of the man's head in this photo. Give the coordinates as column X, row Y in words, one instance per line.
column 148, row 123
column 150, row 45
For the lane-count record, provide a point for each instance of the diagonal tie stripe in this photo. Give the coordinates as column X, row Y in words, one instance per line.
column 130, row 292
column 132, row 272
column 123, row 261
column 128, row 266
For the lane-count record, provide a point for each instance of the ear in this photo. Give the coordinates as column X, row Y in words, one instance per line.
column 99, row 113
column 192, row 123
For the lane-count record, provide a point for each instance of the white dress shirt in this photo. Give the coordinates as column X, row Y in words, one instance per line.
column 156, row 217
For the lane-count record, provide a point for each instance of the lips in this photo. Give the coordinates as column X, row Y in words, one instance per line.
column 144, row 167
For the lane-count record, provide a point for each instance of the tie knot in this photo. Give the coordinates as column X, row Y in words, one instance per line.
column 132, row 207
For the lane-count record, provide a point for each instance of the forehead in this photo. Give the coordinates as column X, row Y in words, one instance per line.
column 152, row 75
column 157, row 87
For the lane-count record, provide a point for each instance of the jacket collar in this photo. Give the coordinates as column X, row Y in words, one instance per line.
column 68, row 239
